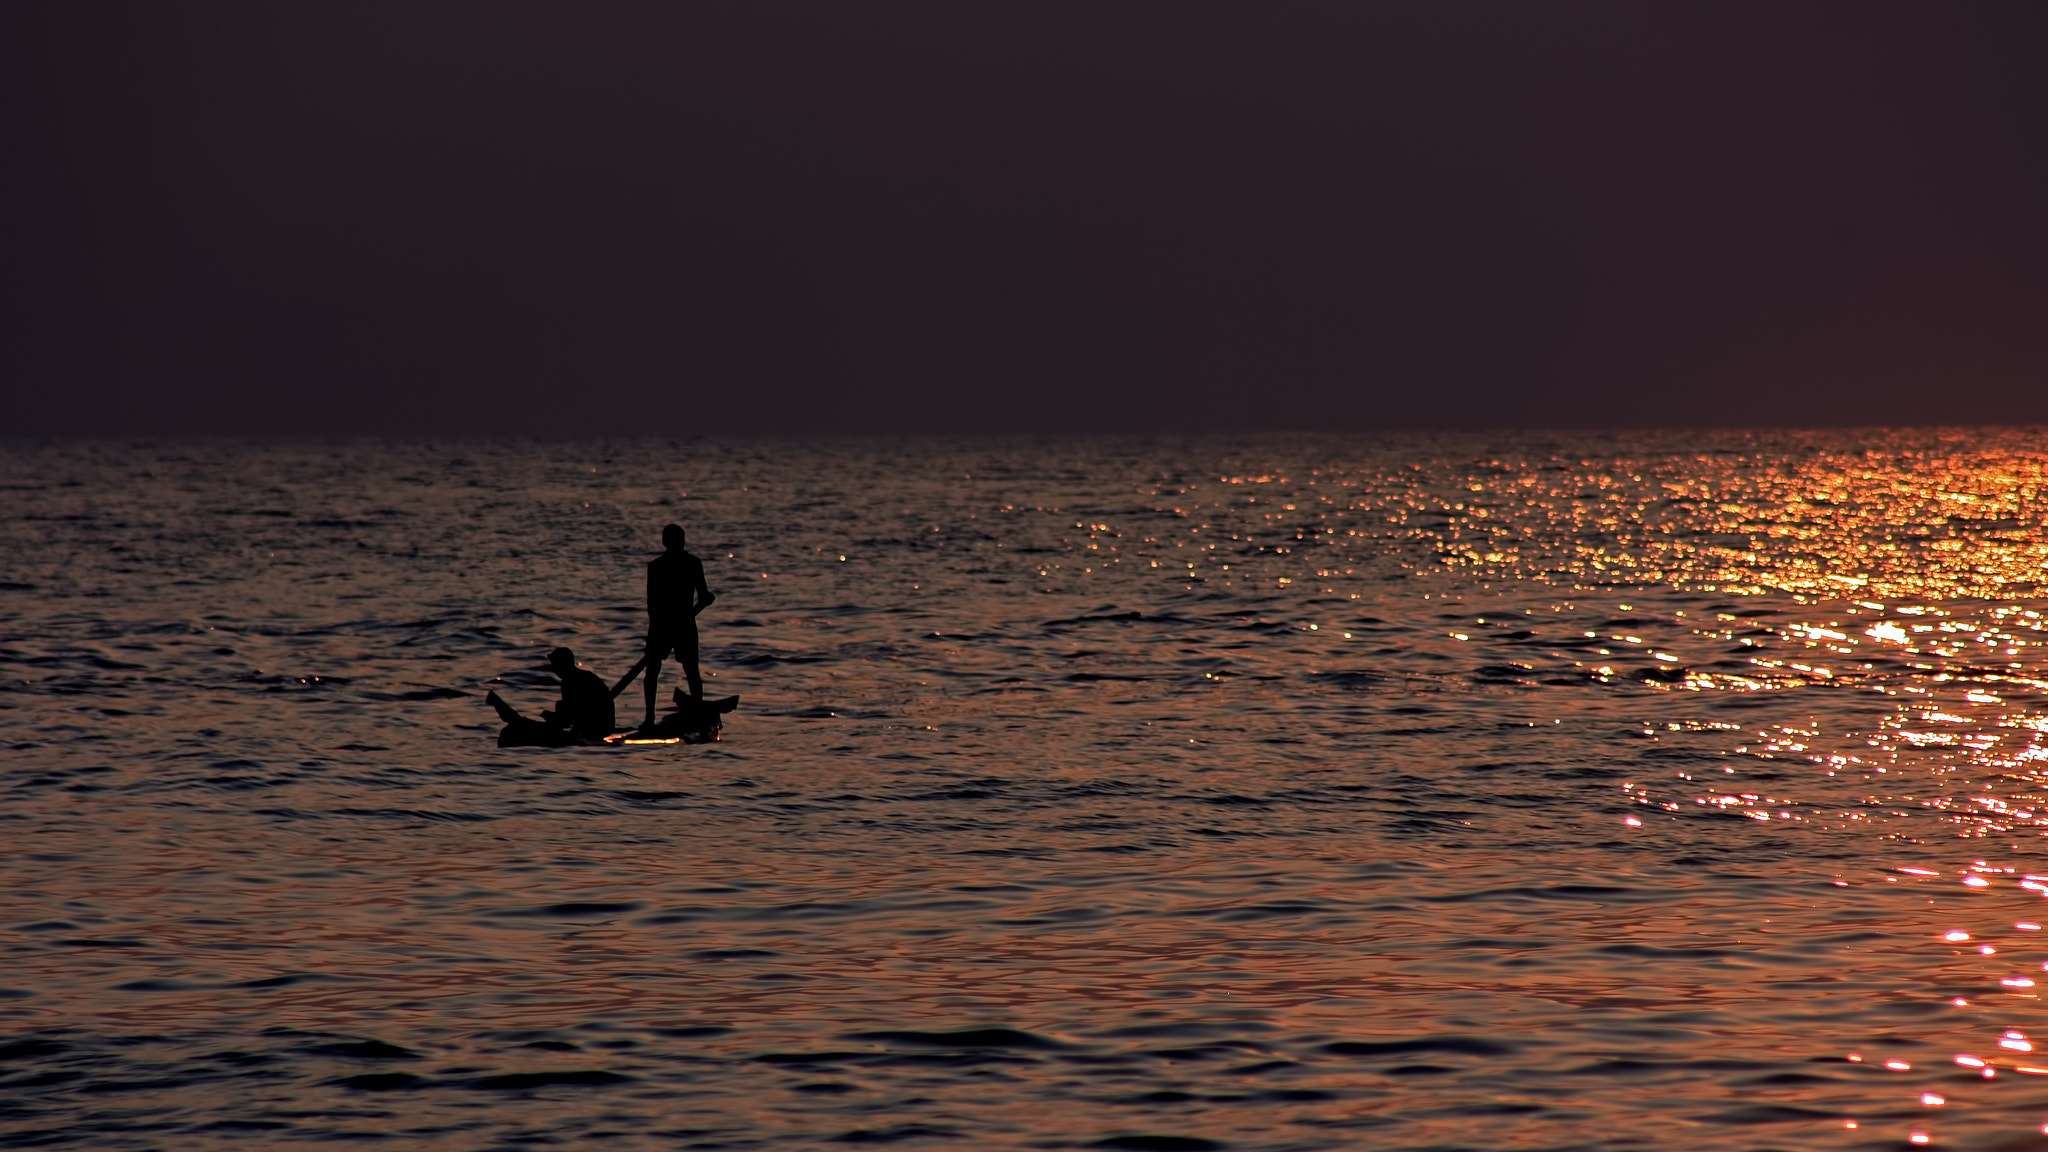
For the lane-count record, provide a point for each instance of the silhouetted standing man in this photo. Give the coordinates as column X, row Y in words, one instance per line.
column 675, row 594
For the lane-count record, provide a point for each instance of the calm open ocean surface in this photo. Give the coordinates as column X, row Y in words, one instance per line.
column 1479, row 792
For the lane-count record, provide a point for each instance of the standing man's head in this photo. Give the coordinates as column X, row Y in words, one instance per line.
column 562, row 660
column 672, row 537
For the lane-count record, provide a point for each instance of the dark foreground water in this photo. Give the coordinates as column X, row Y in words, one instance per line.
column 1454, row 793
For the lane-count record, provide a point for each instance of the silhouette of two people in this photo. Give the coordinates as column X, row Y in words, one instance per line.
column 676, row 593
column 584, row 713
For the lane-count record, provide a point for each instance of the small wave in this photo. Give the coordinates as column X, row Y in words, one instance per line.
column 965, row 1038
column 575, row 910
column 1457, row 1045
column 414, row 814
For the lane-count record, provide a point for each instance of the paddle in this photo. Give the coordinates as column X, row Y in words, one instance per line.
column 628, row 677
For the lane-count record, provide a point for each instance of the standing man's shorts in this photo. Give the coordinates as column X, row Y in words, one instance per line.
column 682, row 641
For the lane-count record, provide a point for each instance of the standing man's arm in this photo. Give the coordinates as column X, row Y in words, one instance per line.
column 702, row 593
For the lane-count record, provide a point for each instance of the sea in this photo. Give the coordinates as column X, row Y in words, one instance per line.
column 1659, row 790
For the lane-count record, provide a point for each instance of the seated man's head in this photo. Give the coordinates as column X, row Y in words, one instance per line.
column 562, row 660
column 672, row 536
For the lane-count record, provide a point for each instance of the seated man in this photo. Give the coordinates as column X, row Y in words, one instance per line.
column 586, row 704
column 583, row 714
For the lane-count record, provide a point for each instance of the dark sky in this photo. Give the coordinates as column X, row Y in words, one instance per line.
column 971, row 215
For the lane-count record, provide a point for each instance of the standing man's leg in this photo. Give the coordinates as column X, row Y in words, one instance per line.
column 686, row 655
column 655, row 651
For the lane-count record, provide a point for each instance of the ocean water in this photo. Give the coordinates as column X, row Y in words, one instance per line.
column 1461, row 792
